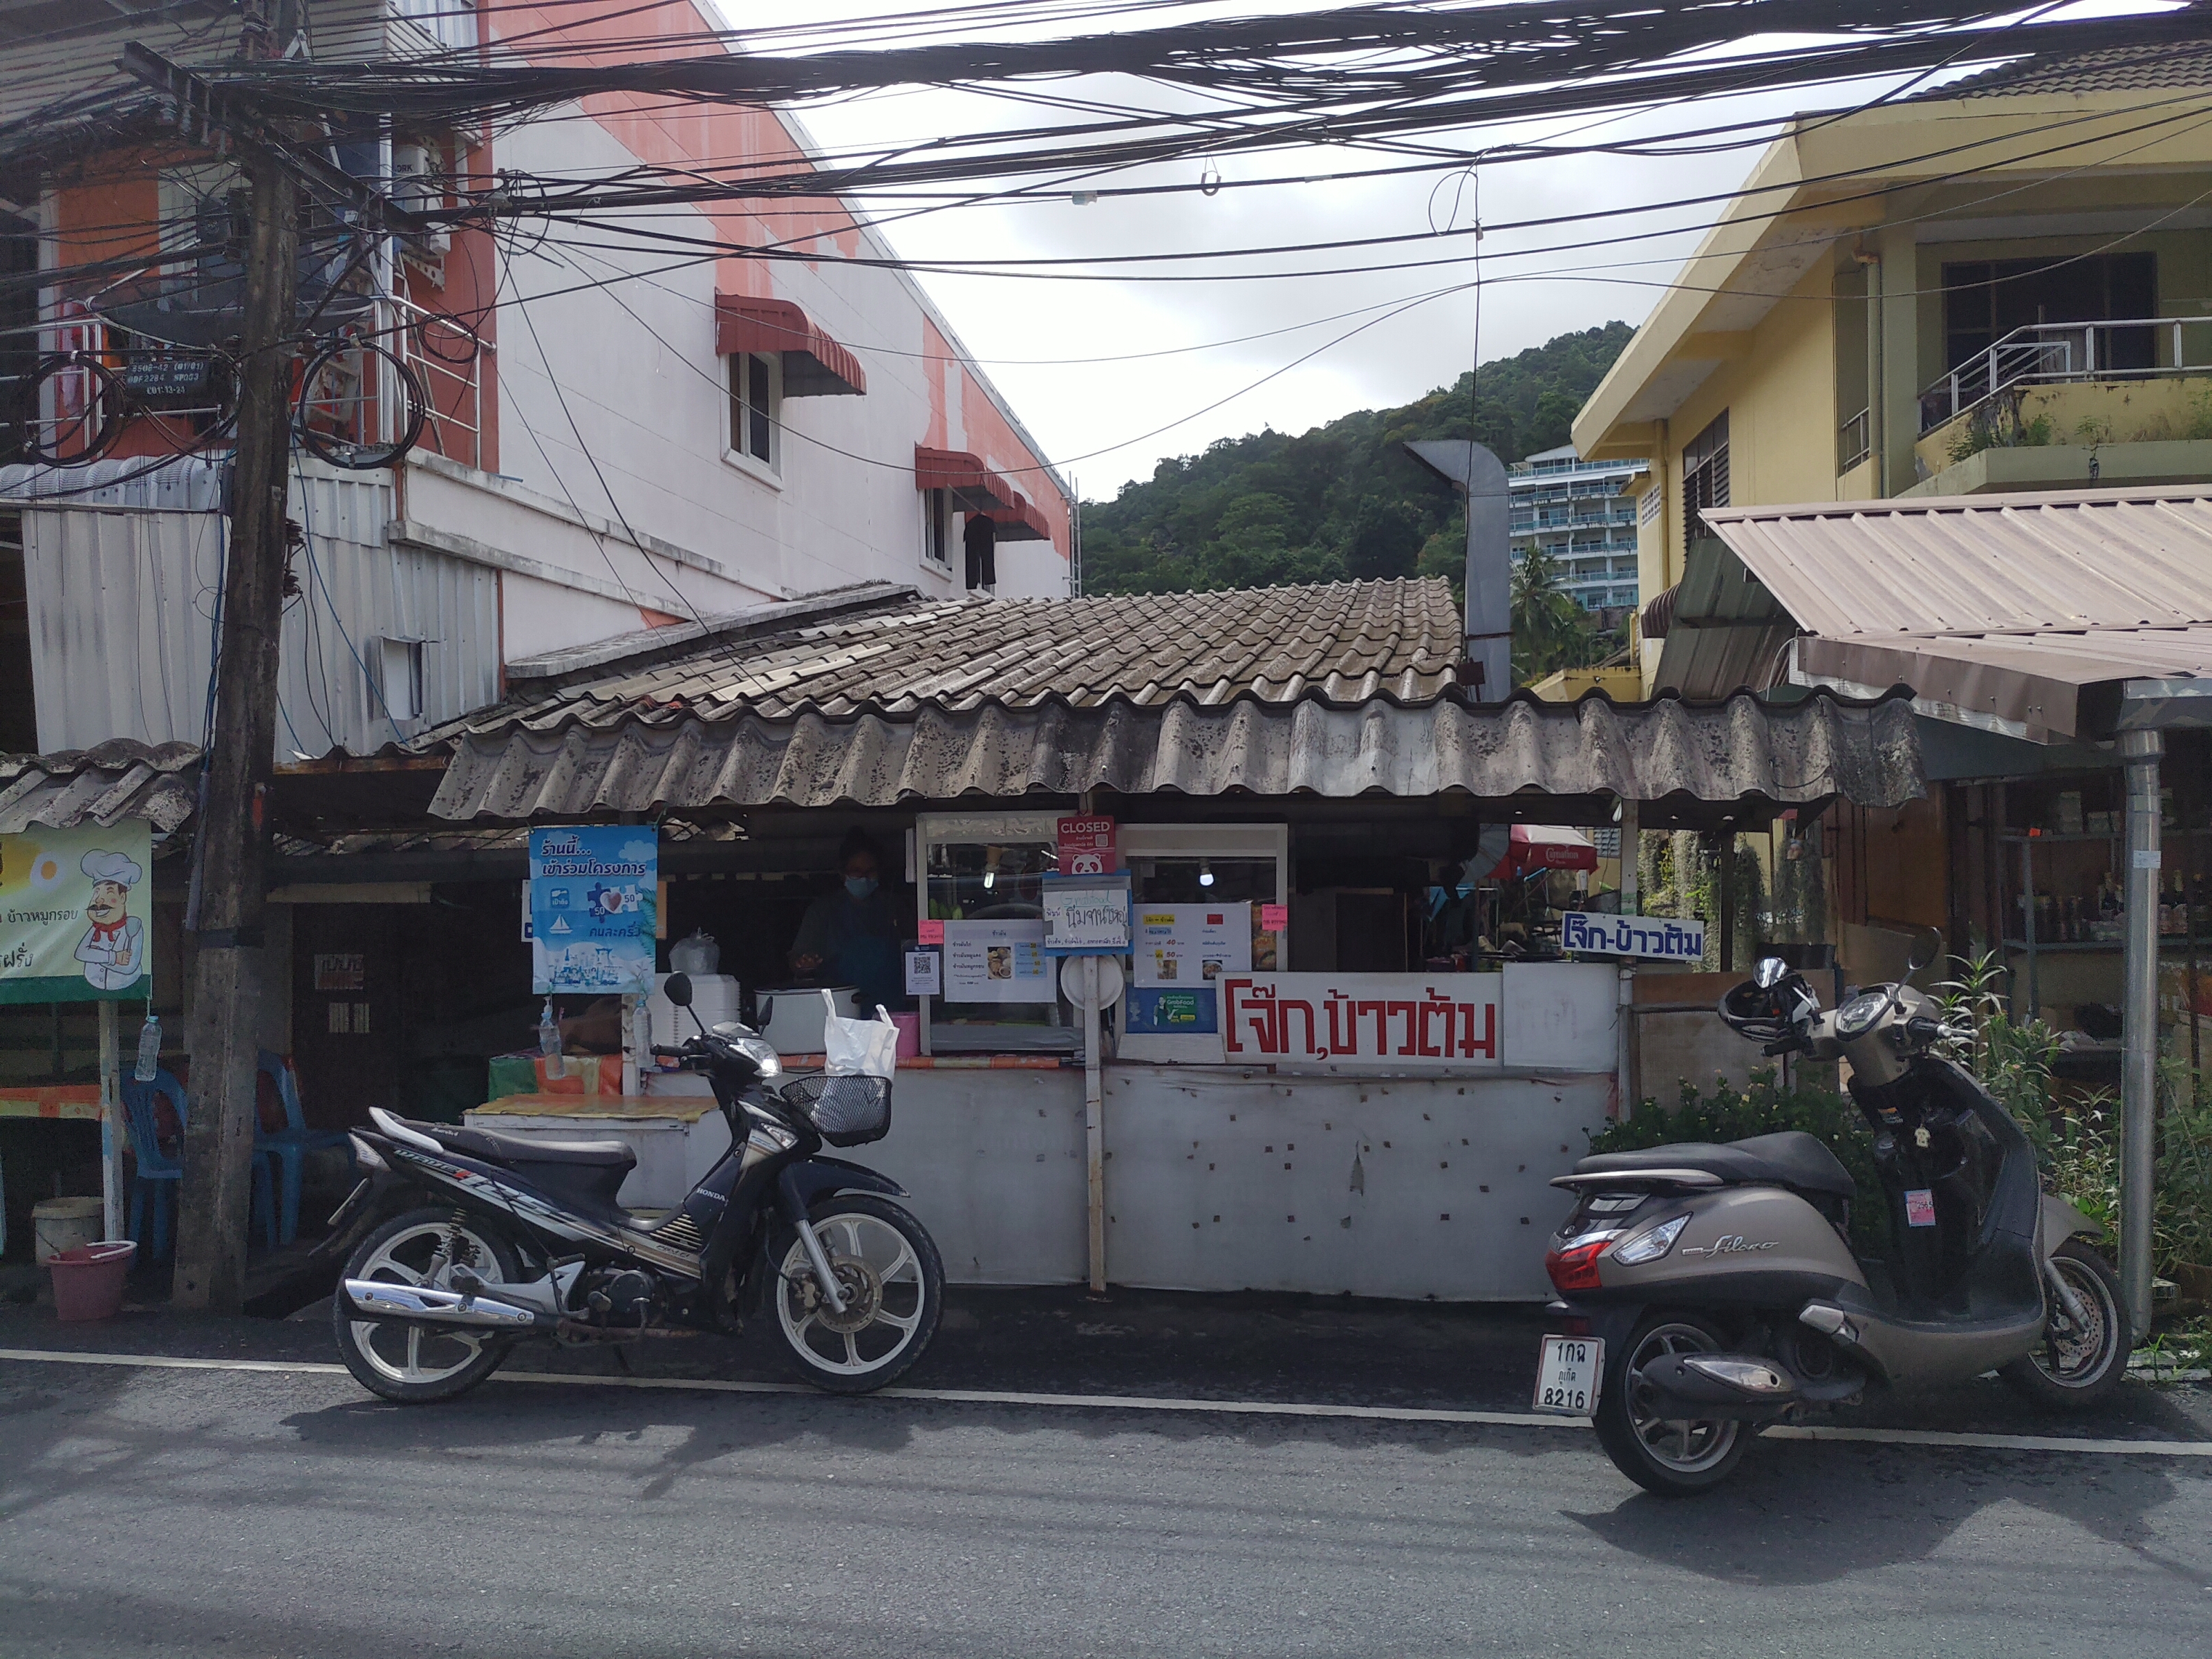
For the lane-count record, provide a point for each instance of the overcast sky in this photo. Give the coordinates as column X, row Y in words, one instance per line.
column 1104, row 422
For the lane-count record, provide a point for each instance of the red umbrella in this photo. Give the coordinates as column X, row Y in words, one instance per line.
column 1545, row 847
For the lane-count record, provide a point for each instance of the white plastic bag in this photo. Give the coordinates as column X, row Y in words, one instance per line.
column 859, row 1048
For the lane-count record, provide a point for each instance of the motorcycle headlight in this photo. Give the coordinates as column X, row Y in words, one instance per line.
column 761, row 1053
column 1650, row 1244
column 1857, row 1016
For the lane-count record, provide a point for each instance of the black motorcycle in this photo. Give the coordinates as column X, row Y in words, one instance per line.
column 496, row 1238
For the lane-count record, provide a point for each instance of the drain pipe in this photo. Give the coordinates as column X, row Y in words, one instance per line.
column 2140, row 751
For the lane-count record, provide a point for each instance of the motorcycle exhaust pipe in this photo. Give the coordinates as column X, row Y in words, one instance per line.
column 421, row 1304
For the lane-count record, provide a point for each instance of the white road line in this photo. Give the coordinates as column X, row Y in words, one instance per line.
column 2037, row 1442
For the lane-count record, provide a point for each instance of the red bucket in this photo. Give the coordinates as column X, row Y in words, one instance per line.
column 89, row 1280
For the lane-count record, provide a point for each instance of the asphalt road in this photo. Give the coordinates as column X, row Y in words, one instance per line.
column 286, row 1513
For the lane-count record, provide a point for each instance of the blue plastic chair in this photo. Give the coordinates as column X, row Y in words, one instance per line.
column 288, row 1148
column 158, row 1173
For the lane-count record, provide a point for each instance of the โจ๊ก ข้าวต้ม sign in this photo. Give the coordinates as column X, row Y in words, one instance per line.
column 77, row 909
column 1670, row 938
column 594, row 896
column 1439, row 1022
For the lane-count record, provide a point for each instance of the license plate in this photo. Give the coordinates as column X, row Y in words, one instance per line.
column 1567, row 1372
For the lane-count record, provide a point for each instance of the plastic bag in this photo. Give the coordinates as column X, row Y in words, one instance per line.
column 859, row 1048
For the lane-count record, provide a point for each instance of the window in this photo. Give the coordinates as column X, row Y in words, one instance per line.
column 1983, row 300
column 937, row 527
column 1704, row 475
column 395, row 688
column 755, row 394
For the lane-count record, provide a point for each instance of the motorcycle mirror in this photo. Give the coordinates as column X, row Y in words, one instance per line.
column 1768, row 972
column 677, row 987
column 1927, row 945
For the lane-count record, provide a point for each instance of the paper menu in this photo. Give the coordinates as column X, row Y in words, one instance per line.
column 997, row 961
column 1190, row 945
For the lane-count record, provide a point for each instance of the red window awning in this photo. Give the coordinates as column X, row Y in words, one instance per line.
column 976, row 489
column 814, row 365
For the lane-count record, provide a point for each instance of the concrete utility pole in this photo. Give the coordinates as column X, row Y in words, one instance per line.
column 210, row 1270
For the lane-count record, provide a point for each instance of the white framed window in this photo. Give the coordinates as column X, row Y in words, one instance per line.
column 938, row 529
column 755, row 436
column 396, row 687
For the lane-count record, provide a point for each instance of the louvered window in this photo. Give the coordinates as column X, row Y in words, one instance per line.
column 1704, row 475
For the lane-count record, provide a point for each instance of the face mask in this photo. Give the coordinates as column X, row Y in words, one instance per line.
column 860, row 886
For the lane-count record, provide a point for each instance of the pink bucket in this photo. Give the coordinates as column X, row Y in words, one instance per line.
column 910, row 1035
column 89, row 1280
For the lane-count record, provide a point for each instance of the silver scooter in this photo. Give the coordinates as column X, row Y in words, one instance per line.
column 1711, row 1289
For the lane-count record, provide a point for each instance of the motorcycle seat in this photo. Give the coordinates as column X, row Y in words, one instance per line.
column 1789, row 1158
column 494, row 1148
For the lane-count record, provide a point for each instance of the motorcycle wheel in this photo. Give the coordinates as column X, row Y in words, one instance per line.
column 2069, row 1370
column 1672, row 1459
column 416, row 1365
column 893, row 1285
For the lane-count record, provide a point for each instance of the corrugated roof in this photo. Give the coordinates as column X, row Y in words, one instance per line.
column 1741, row 750
column 120, row 778
column 1341, row 643
column 2001, row 606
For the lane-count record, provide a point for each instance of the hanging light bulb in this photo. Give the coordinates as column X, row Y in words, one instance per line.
column 990, row 869
column 1205, row 873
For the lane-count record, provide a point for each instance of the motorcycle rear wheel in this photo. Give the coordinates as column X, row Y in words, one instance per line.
column 415, row 1365
column 893, row 1283
column 2069, row 1371
column 1668, row 1458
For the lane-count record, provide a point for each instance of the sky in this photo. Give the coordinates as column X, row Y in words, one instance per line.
column 1112, row 376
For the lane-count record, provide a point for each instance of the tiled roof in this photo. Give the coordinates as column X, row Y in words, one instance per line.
column 120, row 779
column 2122, row 68
column 1339, row 642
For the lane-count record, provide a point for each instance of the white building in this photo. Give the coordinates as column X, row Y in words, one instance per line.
column 1575, row 510
column 615, row 439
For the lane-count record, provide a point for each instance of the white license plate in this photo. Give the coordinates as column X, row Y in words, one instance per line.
column 1567, row 1372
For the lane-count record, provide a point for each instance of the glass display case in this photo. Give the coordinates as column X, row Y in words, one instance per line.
column 982, row 885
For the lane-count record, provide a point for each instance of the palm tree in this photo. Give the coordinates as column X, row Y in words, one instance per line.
column 1549, row 628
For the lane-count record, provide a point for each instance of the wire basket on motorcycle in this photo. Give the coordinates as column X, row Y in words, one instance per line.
column 845, row 1111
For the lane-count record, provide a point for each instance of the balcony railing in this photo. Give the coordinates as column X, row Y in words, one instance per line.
column 1854, row 440
column 2119, row 349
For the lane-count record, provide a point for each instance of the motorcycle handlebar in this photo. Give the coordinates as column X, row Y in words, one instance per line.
column 660, row 1051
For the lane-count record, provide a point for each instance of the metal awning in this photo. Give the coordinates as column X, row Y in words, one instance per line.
column 814, row 365
column 974, row 488
column 2026, row 614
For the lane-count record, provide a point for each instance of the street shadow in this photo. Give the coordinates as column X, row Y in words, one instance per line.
column 1804, row 1513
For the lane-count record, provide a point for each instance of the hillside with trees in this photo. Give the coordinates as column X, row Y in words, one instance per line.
column 1343, row 500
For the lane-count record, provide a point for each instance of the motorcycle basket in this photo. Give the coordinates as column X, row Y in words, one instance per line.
column 845, row 1111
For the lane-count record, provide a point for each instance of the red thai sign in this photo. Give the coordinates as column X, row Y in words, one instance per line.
column 1088, row 846
column 1444, row 1022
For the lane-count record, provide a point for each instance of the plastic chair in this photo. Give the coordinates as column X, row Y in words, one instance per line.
column 158, row 1173
column 288, row 1148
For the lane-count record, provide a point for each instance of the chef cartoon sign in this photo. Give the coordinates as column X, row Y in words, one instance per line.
column 76, row 914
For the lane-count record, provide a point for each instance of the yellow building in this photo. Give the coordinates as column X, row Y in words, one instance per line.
column 2005, row 284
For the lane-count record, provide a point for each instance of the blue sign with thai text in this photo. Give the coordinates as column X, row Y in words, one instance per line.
column 594, row 906
column 1670, row 938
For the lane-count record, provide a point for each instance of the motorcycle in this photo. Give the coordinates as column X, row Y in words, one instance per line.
column 1711, row 1289
column 496, row 1239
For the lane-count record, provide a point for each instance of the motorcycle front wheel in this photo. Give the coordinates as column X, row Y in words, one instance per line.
column 890, row 1278
column 1672, row 1457
column 2075, row 1366
column 416, row 1365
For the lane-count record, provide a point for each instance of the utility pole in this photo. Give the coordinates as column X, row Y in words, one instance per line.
column 227, row 983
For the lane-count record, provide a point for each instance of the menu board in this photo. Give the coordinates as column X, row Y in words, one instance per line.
column 1188, row 946
column 997, row 961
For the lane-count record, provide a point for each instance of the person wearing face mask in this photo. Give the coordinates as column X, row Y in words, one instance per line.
column 851, row 936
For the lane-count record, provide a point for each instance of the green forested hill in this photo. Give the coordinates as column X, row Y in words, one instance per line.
column 1343, row 500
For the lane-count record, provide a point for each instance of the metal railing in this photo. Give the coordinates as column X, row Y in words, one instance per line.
column 1854, row 440
column 448, row 359
column 2119, row 349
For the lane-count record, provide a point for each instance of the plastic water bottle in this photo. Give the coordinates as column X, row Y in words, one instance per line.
column 149, row 1050
column 549, row 1041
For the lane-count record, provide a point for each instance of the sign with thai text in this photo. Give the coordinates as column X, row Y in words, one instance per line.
column 77, row 914
column 1412, row 1022
column 594, row 896
column 1086, row 916
column 1670, row 938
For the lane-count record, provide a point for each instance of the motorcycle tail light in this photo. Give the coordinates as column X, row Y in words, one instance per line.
column 1573, row 1265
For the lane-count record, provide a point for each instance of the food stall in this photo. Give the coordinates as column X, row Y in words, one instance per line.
column 1305, row 1082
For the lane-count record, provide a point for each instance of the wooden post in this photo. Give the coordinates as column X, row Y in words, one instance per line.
column 111, row 1127
column 212, row 1207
